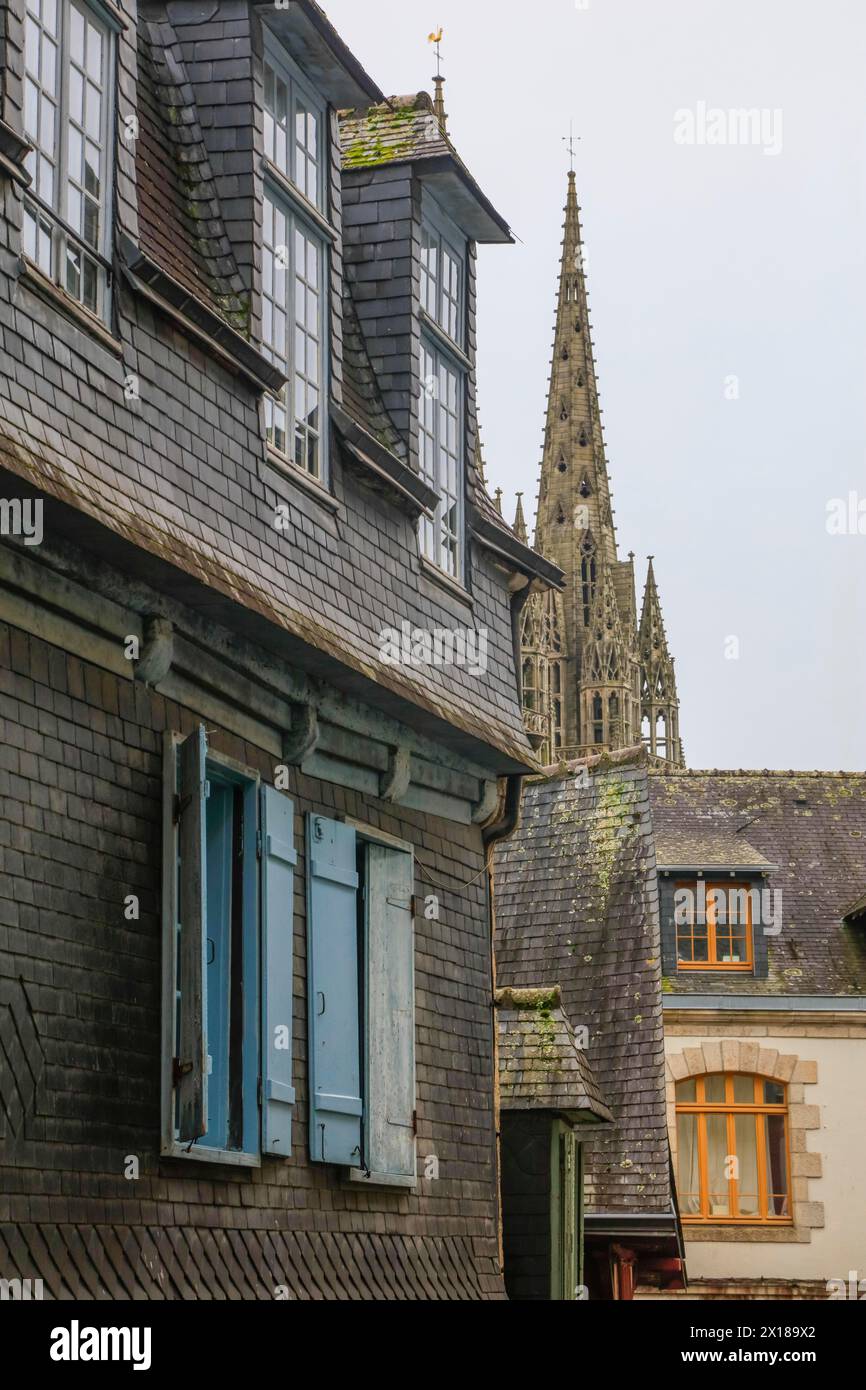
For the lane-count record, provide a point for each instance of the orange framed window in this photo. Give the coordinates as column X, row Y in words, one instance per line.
column 733, row 1163
column 714, row 926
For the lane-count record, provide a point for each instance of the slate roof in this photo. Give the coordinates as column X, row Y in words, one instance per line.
column 703, row 848
column 541, row 1066
column 577, row 902
column 362, row 397
column 401, row 129
column 179, row 216
column 161, row 1261
column 812, row 825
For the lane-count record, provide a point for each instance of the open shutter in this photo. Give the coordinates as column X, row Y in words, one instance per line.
column 333, row 1006
column 190, row 1066
column 278, row 876
column 390, row 1124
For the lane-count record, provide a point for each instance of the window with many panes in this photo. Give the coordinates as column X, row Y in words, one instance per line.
column 441, row 451
column 714, row 926
column 732, row 1149
column 443, row 386
column 294, row 263
column 67, row 119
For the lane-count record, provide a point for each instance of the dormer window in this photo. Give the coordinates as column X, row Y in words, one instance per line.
column 443, row 387
column 294, row 120
column 294, row 265
column 443, row 257
column 68, row 68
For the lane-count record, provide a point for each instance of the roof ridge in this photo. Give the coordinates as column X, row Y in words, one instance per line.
column 750, row 772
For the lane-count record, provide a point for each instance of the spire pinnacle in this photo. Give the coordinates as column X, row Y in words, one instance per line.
column 497, row 500
column 520, row 520
column 439, row 81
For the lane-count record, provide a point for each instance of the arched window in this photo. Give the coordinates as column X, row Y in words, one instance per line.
column 661, row 736
column 587, row 578
column 732, row 1150
column 529, row 684
column 645, row 730
column 597, row 719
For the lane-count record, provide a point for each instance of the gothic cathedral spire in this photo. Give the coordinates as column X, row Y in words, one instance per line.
column 586, row 692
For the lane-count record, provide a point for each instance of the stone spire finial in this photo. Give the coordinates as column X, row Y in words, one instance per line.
column 520, row 520
column 497, row 500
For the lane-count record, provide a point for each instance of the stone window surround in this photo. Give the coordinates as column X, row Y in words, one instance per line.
column 734, row 1055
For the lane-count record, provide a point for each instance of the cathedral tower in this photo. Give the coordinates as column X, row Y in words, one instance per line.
column 592, row 680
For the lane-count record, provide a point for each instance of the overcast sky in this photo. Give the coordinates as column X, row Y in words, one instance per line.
column 706, row 262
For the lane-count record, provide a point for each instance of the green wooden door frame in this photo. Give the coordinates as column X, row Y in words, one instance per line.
column 566, row 1213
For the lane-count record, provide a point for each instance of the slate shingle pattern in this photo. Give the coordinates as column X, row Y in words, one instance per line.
column 812, row 827
column 80, row 1032
column 179, row 473
column 541, row 1066
column 577, row 905
column 179, row 214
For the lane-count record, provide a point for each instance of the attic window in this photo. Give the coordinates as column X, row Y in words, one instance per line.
column 442, row 271
column 68, row 62
column 294, row 121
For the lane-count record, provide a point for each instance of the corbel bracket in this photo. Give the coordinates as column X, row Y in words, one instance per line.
column 157, row 654
column 394, row 784
column 302, row 739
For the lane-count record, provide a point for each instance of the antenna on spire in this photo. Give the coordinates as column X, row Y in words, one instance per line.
column 439, row 81
column 569, row 140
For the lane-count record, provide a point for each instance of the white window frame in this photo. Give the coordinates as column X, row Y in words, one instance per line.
column 430, row 421
column 51, row 222
column 286, row 360
column 307, row 217
column 441, row 236
column 298, row 89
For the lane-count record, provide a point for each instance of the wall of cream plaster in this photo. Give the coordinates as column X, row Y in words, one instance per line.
column 839, row 1139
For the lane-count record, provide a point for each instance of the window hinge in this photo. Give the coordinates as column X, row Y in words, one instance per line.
column 258, row 844
column 259, row 1093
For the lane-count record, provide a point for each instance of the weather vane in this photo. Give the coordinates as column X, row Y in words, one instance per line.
column 569, row 141
column 436, row 38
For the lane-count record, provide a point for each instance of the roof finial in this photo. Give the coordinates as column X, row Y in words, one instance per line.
column 520, row 520
column 497, row 501
column 439, row 81
column 569, row 141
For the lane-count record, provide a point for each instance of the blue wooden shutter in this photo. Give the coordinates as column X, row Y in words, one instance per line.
column 190, row 1066
column 278, row 877
column 333, row 1004
column 390, row 1120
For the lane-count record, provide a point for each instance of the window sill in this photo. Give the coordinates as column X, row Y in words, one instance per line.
column 307, row 484
column 29, row 274
column 229, row 1158
column 356, row 1177
column 445, row 581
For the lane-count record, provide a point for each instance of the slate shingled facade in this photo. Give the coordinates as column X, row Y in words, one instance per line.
column 577, row 906
column 142, row 436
